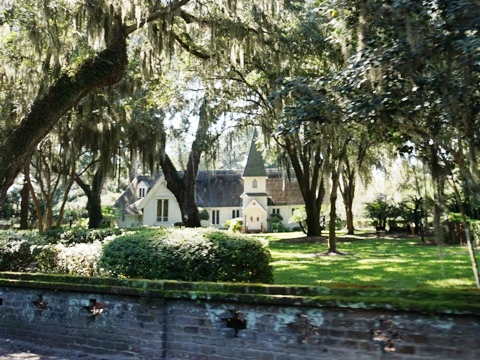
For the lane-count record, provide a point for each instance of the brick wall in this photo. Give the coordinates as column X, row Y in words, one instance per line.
column 172, row 320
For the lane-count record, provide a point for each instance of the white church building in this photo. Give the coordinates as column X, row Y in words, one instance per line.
column 253, row 194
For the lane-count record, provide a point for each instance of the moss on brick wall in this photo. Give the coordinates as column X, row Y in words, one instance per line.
column 431, row 301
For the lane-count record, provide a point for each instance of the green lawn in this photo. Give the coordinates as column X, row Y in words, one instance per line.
column 387, row 262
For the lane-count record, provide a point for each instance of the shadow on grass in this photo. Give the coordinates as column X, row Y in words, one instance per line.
column 388, row 262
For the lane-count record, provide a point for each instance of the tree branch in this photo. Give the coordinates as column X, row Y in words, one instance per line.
column 157, row 15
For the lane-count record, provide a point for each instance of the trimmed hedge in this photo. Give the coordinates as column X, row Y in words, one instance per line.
column 188, row 255
column 150, row 253
column 79, row 236
column 16, row 252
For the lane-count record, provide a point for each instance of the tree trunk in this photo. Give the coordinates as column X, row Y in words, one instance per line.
column 104, row 69
column 471, row 250
column 332, row 237
column 94, row 203
column 71, row 180
column 348, row 195
column 438, row 180
column 313, row 218
column 38, row 210
column 310, row 181
column 189, row 207
column 184, row 188
column 24, row 206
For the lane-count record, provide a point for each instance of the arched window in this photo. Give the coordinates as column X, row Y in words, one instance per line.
column 162, row 210
column 254, row 183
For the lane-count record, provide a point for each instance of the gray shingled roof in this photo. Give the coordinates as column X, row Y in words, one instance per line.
column 222, row 188
column 255, row 165
column 219, row 188
column 130, row 195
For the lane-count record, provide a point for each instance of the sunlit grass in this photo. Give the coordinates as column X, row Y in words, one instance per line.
column 385, row 262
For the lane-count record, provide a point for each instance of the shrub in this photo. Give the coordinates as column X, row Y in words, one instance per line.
column 132, row 255
column 240, row 258
column 188, row 255
column 79, row 259
column 234, row 225
column 203, row 214
column 16, row 249
column 379, row 211
column 79, row 236
column 455, row 232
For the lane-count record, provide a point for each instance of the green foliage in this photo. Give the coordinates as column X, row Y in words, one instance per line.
column 76, row 259
column 187, row 254
column 300, row 216
column 455, row 233
column 109, row 213
column 79, row 235
column 234, row 225
column 275, row 222
column 134, row 255
column 379, row 211
column 203, row 214
column 469, row 203
column 279, row 227
column 15, row 250
column 475, row 231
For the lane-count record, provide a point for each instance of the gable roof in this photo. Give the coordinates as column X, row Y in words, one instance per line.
column 130, row 195
column 254, row 165
column 283, row 191
column 221, row 188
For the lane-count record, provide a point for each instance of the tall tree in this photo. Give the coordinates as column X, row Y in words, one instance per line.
column 337, row 149
column 93, row 39
column 357, row 161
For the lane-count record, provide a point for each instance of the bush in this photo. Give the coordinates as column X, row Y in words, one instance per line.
column 188, row 255
column 16, row 249
column 132, row 255
column 203, row 214
column 77, row 259
column 79, row 236
column 74, row 252
column 151, row 253
column 455, row 232
column 234, row 225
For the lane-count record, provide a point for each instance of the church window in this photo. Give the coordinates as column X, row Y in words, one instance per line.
column 162, row 210
column 141, row 192
column 215, row 217
column 254, row 183
column 235, row 214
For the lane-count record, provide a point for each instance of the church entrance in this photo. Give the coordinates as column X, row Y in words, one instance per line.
column 255, row 218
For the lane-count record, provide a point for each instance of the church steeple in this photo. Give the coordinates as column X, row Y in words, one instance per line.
column 254, row 165
column 254, row 197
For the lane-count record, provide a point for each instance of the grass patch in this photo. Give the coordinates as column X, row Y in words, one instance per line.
column 397, row 263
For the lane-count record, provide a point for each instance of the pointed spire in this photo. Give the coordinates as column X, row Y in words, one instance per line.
column 255, row 165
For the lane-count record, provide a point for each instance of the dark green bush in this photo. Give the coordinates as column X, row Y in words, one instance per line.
column 132, row 255
column 240, row 258
column 18, row 249
column 188, row 255
column 79, row 236
column 455, row 233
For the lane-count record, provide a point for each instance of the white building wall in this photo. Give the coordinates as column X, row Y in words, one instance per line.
column 261, row 184
column 129, row 220
column 286, row 213
column 150, row 209
column 225, row 215
column 262, row 201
